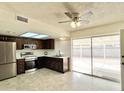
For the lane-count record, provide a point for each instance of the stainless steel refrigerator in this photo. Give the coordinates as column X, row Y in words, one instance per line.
column 7, row 60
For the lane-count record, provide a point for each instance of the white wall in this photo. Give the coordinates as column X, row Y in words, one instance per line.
column 99, row 30
column 63, row 46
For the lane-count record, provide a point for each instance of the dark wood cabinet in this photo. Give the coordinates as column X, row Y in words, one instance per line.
column 40, row 62
column 49, row 44
column 39, row 44
column 57, row 64
column 7, row 38
column 1, row 38
column 52, row 63
column 28, row 41
column 20, row 41
column 20, row 66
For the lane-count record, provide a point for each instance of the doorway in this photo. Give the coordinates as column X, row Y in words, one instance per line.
column 98, row 56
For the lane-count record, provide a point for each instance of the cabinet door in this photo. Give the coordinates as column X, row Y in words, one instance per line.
column 40, row 62
column 5, row 38
column 60, row 66
column 9, row 38
column 25, row 41
column 19, row 43
column 48, row 64
column 1, row 38
column 52, row 63
column 37, row 64
column 31, row 41
column 45, row 44
column 39, row 44
column 48, row 44
column 51, row 44
column 20, row 66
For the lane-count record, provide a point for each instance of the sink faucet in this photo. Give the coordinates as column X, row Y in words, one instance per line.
column 59, row 53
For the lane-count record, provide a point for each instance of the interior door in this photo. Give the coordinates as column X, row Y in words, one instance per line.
column 10, row 52
column 2, row 53
column 81, row 55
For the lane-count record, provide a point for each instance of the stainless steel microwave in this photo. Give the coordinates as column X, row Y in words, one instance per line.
column 30, row 46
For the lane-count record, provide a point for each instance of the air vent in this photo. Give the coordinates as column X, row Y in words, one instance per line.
column 19, row 18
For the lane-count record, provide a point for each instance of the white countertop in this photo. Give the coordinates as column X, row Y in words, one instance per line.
column 46, row 56
column 56, row 56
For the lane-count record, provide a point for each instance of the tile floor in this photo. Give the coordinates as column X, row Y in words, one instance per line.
column 45, row 79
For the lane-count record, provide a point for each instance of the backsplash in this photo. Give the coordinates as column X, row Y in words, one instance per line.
column 35, row 52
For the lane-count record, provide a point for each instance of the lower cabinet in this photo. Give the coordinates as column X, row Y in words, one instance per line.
column 57, row 64
column 20, row 66
column 40, row 62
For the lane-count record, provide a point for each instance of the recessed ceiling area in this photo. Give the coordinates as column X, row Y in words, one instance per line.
column 34, row 35
column 44, row 17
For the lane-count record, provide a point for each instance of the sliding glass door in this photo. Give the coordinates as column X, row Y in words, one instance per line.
column 99, row 56
column 81, row 53
column 106, row 57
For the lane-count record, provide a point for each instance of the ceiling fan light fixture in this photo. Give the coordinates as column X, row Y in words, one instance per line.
column 78, row 24
column 73, row 24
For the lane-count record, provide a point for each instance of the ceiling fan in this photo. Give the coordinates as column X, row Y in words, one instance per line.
column 76, row 19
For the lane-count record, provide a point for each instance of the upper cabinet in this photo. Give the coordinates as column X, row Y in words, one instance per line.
column 49, row 44
column 21, row 41
column 41, row 44
column 7, row 38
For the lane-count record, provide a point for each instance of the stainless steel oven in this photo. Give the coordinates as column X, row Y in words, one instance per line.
column 29, row 64
column 30, row 61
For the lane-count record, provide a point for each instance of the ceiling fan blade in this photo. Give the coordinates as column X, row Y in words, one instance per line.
column 84, row 21
column 69, row 7
column 69, row 14
column 87, row 14
column 65, row 21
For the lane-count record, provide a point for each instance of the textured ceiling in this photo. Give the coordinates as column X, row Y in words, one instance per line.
column 44, row 17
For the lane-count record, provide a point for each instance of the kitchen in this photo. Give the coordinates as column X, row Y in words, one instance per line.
column 27, row 60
